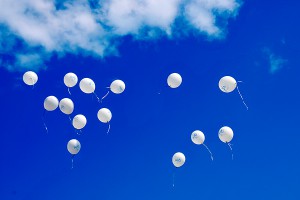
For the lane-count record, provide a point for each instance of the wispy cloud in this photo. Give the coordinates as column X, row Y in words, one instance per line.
column 32, row 31
column 275, row 62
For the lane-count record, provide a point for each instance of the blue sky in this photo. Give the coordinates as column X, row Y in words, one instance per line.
column 257, row 44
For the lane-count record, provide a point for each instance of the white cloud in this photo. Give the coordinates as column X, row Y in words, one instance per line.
column 130, row 16
column 34, row 29
column 202, row 14
column 29, row 59
column 276, row 62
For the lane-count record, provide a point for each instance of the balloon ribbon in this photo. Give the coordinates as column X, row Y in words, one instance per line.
column 230, row 146
column 104, row 96
column 44, row 121
column 237, row 87
column 211, row 156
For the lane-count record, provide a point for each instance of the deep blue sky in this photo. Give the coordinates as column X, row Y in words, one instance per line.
column 134, row 160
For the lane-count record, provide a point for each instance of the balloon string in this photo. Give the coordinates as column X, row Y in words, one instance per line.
column 78, row 132
column 160, row 90
column 108, row 128
column 211, row 156
column 104, row 96
column 69, row 91
column 70, row 119
column 97, row 97
column 44, row 121
column 230, row 146
column 72, row 159
column 241, row 96
column 173, row 184
column 46, row 127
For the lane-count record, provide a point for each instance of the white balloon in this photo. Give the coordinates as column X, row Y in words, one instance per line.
column 104, row 115
column 30, row 78
column 225, row 134
column 51, row 103
column 178, row 159
column 227, row 84
column 198, row 137
column 70, row 79
column 79, row 121
column 66, row 106
column 174, row 80
column 74, row 146
column 117, row 86
column 87, row 85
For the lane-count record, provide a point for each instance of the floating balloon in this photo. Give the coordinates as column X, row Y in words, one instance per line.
column 79, row 121
column 117, row 86
column 227, row 84
column 70, row 80
column 66, row 106
column 174, row 80
column 198, row 138
column 104, row 116
column 50, row 103
column 73, row 147
column 87, row 85
column 178, row 159
column 226, row 135
column 30, row 78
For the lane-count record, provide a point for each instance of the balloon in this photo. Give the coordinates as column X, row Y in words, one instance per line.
column 178, row 159
column 174, row 80
column 51, row 103
column 227, row 84
column 225, row 134
column 30, row 78
column 198, row 137
column 79, row 121
column 117, row 86
column 70, row 79
column 73, row 146
column 66, row 106
column 87, row 85
column 104, row 115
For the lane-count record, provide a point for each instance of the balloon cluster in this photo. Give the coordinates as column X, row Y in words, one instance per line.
column 225, row 135
column 66, row 105
column 227, row 84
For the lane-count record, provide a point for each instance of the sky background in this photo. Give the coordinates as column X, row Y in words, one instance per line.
column 258, row 43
